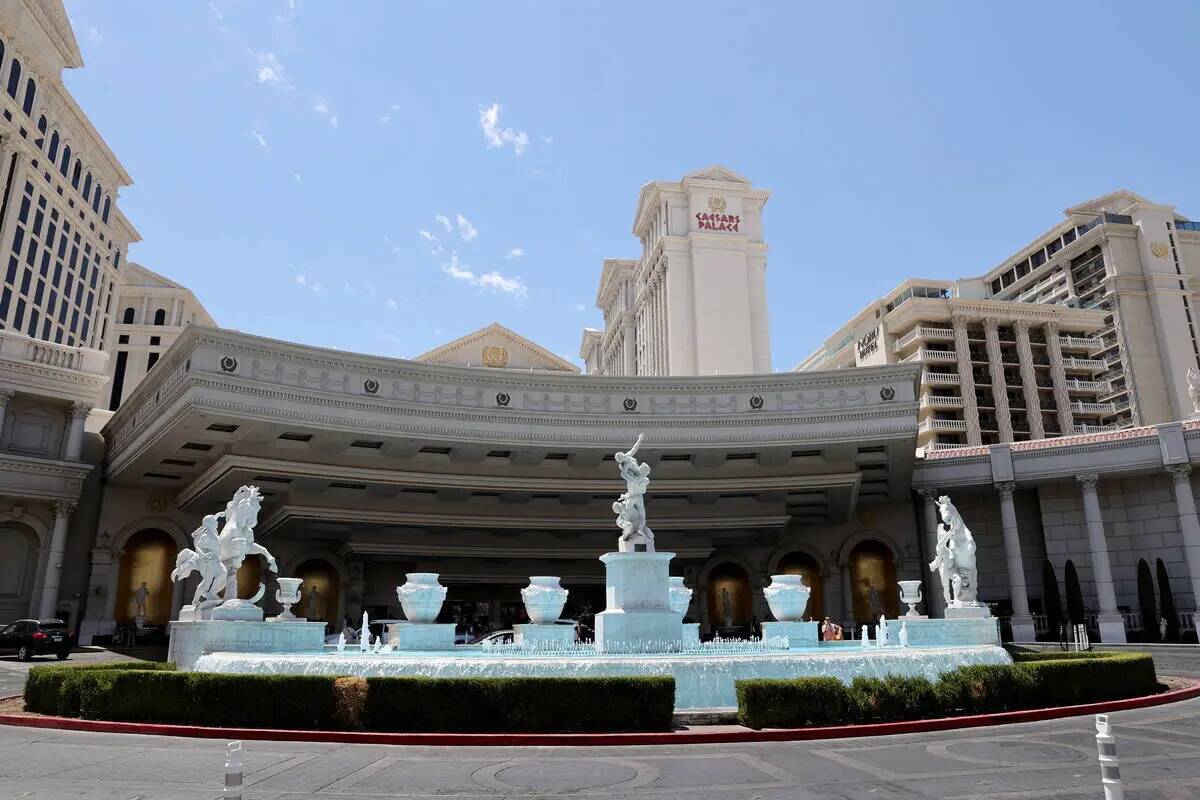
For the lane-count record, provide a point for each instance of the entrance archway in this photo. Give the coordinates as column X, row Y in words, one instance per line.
column 18, row 568
column 873, row 581
column 319, row 574
column 729, row 601
column 147, row 558
column 249, row 575
column 798, row 563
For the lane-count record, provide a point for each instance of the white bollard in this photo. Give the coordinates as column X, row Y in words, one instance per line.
column 1110, row 767
column 233, row 771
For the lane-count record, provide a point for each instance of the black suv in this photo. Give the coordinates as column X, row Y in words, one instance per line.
column 32, row 637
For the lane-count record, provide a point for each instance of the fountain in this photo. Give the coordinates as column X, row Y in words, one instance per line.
column 641, row 632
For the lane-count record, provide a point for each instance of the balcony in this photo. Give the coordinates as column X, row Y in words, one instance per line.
column 1075, row 385
column 1079, row 343
column 53, row 370
column 925, row 354
column 940, row 377
column 944, row 445
column 1095, row 428
column 1090, row 364
column 940, row 401
column 922, row 332
column 928, row 425
column 1094, row 408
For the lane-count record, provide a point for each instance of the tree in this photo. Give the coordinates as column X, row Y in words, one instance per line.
column 1074, row 596
column 1051, row 599
column 1166, row 602
column 1145, row 583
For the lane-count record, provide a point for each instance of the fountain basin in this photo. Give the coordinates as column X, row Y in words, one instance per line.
column 702, row 681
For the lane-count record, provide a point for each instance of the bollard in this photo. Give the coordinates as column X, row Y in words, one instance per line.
column 1110, row 767
column 233, row 771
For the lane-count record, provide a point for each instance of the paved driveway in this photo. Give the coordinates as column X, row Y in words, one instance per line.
column 13, row 672
column 1159, row 749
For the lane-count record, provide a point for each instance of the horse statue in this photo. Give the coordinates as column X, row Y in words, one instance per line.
column 205, row 559
column 236, row 540
column 630, row 507
column 954, row 558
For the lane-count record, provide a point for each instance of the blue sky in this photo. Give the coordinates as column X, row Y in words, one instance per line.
column 294, row 163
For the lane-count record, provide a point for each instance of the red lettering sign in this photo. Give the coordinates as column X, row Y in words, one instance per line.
column 718, row 222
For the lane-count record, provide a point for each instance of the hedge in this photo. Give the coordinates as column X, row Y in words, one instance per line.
column 1041, row 680
column 55, row 690
column 527, row 705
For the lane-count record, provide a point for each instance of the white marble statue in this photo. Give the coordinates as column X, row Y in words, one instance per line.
column 205, row 559
column 630, row 507
column 1193, row 382
column 237, row 541
column 954, row 558
column 139, row 600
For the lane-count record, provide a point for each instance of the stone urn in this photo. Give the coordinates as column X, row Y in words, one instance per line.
column 680, row 597
column 910, row 594
column 288, row 594
column 788, row 597
column 544, row 599
column 421, row 597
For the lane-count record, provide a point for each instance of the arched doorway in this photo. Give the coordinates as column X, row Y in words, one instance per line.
column 249, row 575
column 729, row 601
column 146, row 560
column 873, row 581
column 798, row 563
column 18, row 567
column 321, row 604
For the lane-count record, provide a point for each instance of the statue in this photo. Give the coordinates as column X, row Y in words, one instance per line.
column 310, row 607
column 630, row 507
column 726, row 607
column 139, row 600
column 1193, row 382
column 954, row 558
column 873, row 601
column 205, row 559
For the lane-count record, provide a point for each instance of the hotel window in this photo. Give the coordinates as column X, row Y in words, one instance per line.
column 87, row 187
column 96, row 197
column 65, row 164
column 76, row 173
column 160, row 317
column 30, row 93
column 14, row 78
column 104, row 215
column 127, row 318
column 52, row 153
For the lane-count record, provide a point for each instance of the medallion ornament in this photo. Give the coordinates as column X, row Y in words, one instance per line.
column 495, row 357
column 1160, row 249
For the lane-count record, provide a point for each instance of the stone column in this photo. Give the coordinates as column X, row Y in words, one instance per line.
column 999, row 382
column 966, row 379
column 1062, row 395
column 847, row 598
column 1189, row 526
column 58, row 545
column 5, row 396
column 1023, row 628
column 1112, row 624
column 628, row 345
column 96, row 619
column 1033, row 406
column 73, row 450
column 935, row 604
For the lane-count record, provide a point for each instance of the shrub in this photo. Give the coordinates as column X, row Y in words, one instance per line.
column 984, row 689
column 1022, row 656
column 201, row 698
column 53, row 689
column 893, row 697
column 774, row 703
column 1069, row 681
column 524, row 705
column 350, row 702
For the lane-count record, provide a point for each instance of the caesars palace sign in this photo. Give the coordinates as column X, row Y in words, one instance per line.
column 716, row 219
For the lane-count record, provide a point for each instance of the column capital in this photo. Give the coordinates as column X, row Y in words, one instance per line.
column 1005, row 489
column 1181, row 473
column 928, row 494
column 5, row 396
column 1051, row 327
column 1088, row 479
column 959, row 320
column 80, row 409
column 63, row 508
column 990, row 324
column 1021, row 325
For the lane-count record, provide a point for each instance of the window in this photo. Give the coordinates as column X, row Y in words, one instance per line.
column 123, row 338
column 127, row 318
column 104, row 214
column 151, row 360
column 96, row 197
column 160, row 317
column 87, row 186
column 14, row 78
column 76, row 173
column 52, row 153
column 118, row 380
column 65, row 164
column 30, row 93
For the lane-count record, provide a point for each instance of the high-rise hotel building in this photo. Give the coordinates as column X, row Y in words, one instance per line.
column 1089, row 327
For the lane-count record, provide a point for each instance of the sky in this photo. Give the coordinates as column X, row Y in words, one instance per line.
column 384, row 177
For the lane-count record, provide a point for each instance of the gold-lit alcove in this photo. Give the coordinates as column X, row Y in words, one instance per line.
column 149, row 557
column 872, row 566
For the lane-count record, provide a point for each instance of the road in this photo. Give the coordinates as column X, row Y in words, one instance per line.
column 13, row 672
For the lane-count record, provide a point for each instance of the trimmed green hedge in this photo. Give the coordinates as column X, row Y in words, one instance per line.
column 525, row 705
column 53, row 689
column 1042, row 680
column 1024, row 656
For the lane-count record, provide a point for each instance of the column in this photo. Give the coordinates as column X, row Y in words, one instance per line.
column 628, row 345
column 999, row 382
column 73, row 450
column 1033, row 405
column 847, row 599
column 1023, row 628
column 1189, row 526
column 1062, row 395
column 935, row 603
column 1112, row 624
column 5, row 396
column 58, row 545
column 966, row 379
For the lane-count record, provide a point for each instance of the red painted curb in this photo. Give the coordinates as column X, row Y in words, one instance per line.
column 601, row 739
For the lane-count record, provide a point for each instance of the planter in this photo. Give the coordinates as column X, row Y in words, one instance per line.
column 288, row 594
column 910, row 594
column 421, row 597
column 544, row 599
column 680, row 597
column 788, row 597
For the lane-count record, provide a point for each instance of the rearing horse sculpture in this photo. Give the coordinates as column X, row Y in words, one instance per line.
column 954, row 558
column 236, row 539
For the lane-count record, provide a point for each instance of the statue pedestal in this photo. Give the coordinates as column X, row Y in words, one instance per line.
column 547, row 636
column 191, row 639
column 1023, row 629
column 421, row 636
column 238, row 610
column 798, row 634
column 691, row 634
column 964, row 632
column 638, row 615
column 968, row 612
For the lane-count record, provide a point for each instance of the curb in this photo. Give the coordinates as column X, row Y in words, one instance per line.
column 1190, row 691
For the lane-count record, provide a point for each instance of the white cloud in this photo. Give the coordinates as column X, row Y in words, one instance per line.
column 262, row 140
column 465, row 229
column 216, row 11
column 392, row 304
column 323, row 109
column 579, row 307
column 386, row 118
column 444, row 221
column 308, row 283
column 489, row 122
column 515, row 253
column 296, row 177
column 270, row 70
column 493, row 280
column 302, row 279
column 95, row 35
column 427, row 236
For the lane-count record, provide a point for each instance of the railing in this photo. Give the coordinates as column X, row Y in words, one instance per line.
column 928, row 425
column 940, row 401
column 1088, row 386
column 1080, row 428
column 944, row 445
column 925, row 354
column 1083, row 363
column 923, row 332
column 940, row 377
column 1094, row 408
column 18, row 347
column 1187, row 226
column 1085, row 343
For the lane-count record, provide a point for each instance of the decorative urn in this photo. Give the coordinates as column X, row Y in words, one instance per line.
column 788, row 597
column 910, row 594
column 544, row 599
column 421, row 597
column 288, row 594
column 680, row 596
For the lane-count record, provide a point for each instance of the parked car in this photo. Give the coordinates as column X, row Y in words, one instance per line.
column 32, row 637
column 496, row 637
